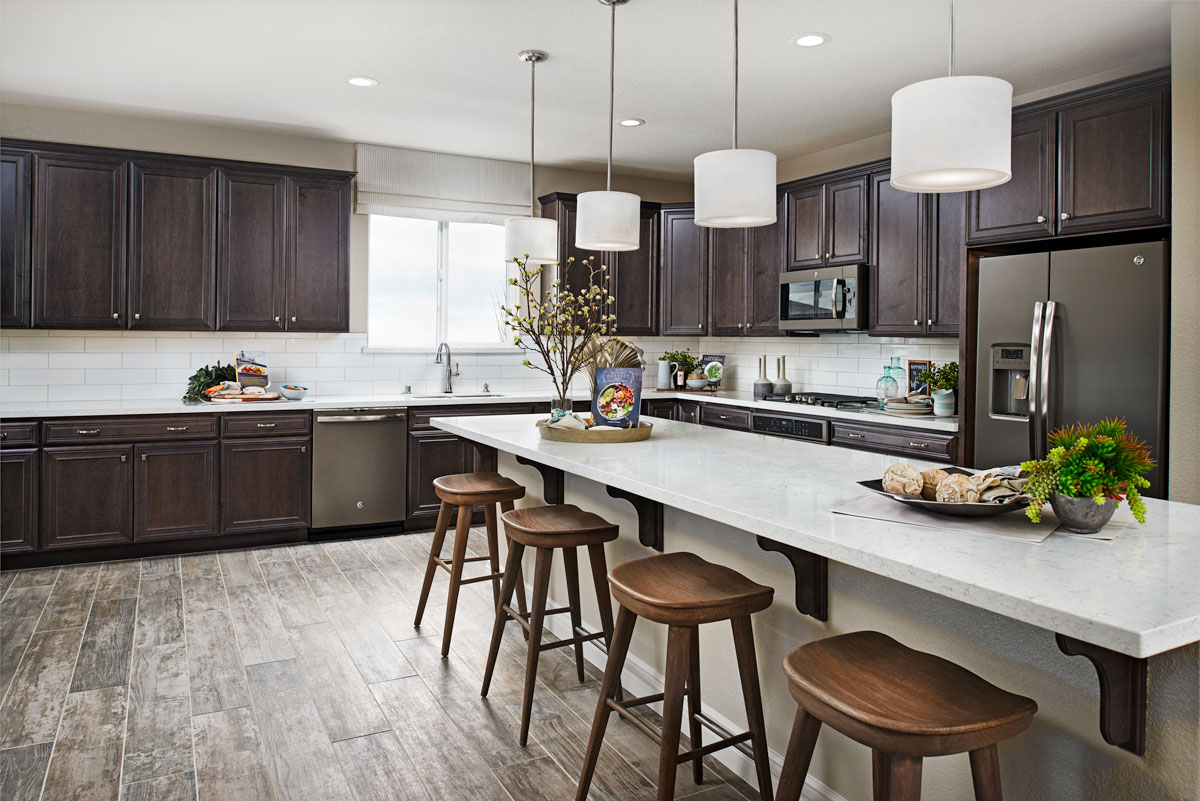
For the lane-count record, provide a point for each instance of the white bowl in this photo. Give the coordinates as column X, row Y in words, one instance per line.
column 697, row 383
column 293, row 392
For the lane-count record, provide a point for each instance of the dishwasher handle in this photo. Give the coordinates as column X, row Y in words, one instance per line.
column 361, row 418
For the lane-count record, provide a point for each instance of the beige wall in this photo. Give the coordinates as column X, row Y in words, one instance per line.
column 260, row 144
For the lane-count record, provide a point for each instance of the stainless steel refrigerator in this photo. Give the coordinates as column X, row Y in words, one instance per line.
column 1071, row 336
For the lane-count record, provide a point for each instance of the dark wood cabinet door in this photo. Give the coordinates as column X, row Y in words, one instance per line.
column 266, row 484
column 897, row 282
column 947, row 263
column 79, row 224
column 172, row 246
column 432, row 454
column 1112, row 163
column 688, row 412
column 18, row 500
column 727, row 264
column 846, row 222
column 87, row 496
column 318, row 254
column 805, row 226
column 684, row 273
column 635, row 284
column 175, row 491
column 14, row 239
column 573, row 269
column 1023, row 208
column 764, row 263
column 661, row 407
column 250, row 251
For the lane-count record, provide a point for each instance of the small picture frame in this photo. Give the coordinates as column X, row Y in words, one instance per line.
column 918, row 376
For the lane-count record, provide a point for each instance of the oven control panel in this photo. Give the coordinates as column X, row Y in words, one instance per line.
column 796, row 427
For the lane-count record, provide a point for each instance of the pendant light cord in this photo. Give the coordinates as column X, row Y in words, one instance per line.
column 951, row 58
column 532, row 101
column 735, row 72
column 612, row 49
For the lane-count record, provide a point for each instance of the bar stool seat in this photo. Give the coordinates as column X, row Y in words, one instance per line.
column 685, row 589
column 474, row 488
column 560, row 526
column 902, row 703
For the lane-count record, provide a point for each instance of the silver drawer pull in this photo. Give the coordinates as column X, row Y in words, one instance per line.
column 723, row 417
column 124, row 457
column 918, row 444
column 143, row 457
column 1041, row 218
column 177, row 428
column 87, row 431
column 266, row 425
column 852, row 435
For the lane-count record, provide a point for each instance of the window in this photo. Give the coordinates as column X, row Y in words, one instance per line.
column 432, row 282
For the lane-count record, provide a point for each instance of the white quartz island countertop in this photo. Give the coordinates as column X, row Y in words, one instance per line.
column 1138, row 594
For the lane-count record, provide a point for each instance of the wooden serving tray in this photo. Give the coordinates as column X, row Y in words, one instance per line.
column 596, row 434
column 712, row 391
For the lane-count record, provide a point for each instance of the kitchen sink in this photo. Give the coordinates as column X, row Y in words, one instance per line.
column 458, row 395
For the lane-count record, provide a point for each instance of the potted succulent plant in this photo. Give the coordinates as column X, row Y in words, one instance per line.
column 1089, row 470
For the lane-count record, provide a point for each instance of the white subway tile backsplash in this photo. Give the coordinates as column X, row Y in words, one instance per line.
column 343, row 359
column 131, row 376
column 142, row 360
column 372, row 373
column 84, row 360
column 46, row 377
column 859, row 351
column 31, row 394
column 190, row 345
column 151, row 391
column 86, row 392
column 25, row 361
column 23, row 344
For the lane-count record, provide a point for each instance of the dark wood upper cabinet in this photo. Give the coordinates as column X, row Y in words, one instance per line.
column 804, row 207
column 15, row 272
column 172, row 246
column 1112, row 163
column 250, row 251
column 79, row 225
column 947, row 264
column 87, row 496
column 764, row 263
column 266, row 484
column 846, row 231
column 1023, row 208
column 635, row 280
column 318, row 254
column 727, row 281
column 898, row 259
column 175, row 491
column 684, row 265
column 18, row 500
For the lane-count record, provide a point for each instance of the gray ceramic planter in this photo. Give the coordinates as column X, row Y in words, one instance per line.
column 1082, row 515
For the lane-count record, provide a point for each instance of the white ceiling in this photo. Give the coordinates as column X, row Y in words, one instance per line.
column 449, row 79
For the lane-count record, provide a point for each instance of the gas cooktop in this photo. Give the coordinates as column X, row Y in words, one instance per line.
column 825, row 399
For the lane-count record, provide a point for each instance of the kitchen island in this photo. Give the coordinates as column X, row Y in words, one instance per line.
column 984, row 601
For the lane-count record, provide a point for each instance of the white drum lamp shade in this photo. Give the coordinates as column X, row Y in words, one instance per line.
column 535, row 236
column 951, row 134
column 608, row 221
column 735, row 188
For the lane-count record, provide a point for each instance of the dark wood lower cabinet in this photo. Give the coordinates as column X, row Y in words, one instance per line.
column 87, row 496
column 18, row 500
column 175, row 491
column 266, row 484
column 688, row 412
column 666, row 408
column 432, row 454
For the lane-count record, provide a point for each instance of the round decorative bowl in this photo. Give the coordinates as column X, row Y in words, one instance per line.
column 293, row 392
column 697, row 383
column 596, row 434
column 1082, row 515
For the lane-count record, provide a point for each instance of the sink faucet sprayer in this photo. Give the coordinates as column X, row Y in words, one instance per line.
column 449, row 373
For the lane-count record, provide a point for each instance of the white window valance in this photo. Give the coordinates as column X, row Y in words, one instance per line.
column 400, row 182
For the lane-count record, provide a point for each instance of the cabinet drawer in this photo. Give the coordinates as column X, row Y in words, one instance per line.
column 712, row 414
column 19, row 435
column 418, row 419
column 126, row 429
column 934, row 447
column 265, row 425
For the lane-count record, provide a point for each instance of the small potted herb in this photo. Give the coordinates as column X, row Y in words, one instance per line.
column 1088, row 466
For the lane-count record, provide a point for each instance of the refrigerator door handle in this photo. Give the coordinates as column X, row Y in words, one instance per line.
column 1044, row 382
column 1035, row 339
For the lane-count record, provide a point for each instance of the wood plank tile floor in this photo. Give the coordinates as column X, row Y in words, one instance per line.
column 289, row 673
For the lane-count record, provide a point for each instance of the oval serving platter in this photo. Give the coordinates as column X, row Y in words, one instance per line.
column 952, row 509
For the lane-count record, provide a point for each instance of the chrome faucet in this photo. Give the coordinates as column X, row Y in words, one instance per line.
column 450, row 372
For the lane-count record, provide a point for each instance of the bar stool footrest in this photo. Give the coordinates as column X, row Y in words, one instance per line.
column 484, row 577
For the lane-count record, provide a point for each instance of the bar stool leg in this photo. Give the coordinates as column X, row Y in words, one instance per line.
column 571, row 564
column 693, row 694
column 508, row 506
column 617, row 652
column 679, row 649
column 895, row 778
column 515, row 551
column 489, row 522
column 985, row 773
column 537, row 616
column 743, row 643
column 435, row 550
column 603, row 599
column 798, row 757
column 461, row 530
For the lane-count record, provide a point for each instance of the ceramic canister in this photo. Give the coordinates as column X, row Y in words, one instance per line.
column 943, row 403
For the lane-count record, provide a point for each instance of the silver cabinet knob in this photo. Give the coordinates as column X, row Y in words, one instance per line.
column 739, row 325
column 1041, row 218
column 916, row 322
column 137, row 316
column 1064, row 216
column 116, row 316
column 701, row 325
column 929, row 321
column 276, row 319
column 293, row 319
column 827, row 255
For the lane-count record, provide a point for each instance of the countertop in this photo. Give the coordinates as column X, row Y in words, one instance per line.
column 1138, row 594
column 110, row 408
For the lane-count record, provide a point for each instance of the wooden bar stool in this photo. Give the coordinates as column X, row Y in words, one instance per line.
column 905, row 705
column 682, row 591
column 546, row 528
column 464, row 491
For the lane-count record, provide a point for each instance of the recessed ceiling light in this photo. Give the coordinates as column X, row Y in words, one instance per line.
column 361, row 80
column 632, row 122
column 811, row 39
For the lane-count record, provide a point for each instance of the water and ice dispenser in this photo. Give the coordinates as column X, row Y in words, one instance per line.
column 1010, row 382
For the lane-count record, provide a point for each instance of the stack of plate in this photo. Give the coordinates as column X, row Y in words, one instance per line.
column 907, row 407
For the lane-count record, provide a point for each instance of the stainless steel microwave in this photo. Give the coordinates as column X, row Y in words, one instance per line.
column 824, row 299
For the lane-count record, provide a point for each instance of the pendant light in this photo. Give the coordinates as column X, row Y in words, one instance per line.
column 952, row 134
column 532, row 239
column 735, row 188
column 609, row 220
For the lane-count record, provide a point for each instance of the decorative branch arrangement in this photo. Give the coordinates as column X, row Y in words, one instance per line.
column 562, row 323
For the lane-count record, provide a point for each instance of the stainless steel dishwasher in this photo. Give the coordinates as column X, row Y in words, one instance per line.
column 358, row 467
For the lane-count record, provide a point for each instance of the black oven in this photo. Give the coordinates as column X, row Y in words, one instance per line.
column 824, row 299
